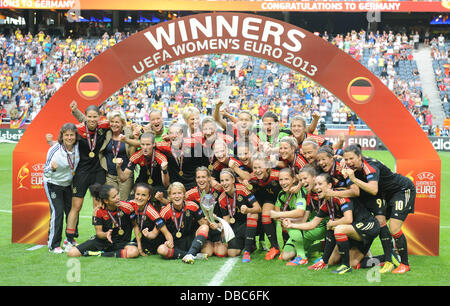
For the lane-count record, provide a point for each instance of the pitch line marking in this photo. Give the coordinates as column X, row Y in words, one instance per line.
column 223, row 272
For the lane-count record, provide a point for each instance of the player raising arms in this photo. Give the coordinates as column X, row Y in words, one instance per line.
column 377, row 180
column 240, row 128
column 185, row 221
column 354, row 227
column 113, row 226
column 240, row 209
column 89, row 171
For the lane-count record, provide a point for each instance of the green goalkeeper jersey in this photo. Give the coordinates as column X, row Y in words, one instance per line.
column 291, row 201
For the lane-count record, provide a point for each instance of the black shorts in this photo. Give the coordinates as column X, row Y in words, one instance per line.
column 401, row 203
column 82, row 181
column 376, row 205
column 368, row 229
column 184, row 243
column 240, row 233
column 214, row 235
column 96, row 244
column 150, row 246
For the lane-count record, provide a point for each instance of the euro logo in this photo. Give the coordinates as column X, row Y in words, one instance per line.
column 24, row 172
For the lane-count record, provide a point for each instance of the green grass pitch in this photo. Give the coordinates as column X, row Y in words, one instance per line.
column 21, row 267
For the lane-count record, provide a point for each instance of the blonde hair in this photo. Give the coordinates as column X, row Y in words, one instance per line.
column 175, row 185
column 117, row 113
column 291, row 141
column 299, row 118
column 189, row 111
column 311, row 141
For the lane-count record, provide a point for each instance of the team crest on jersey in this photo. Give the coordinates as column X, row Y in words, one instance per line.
column 100, row 132
column 274, row 183
column 188, row 213
column 74, row 189
column 53, row 195
column 240, row 198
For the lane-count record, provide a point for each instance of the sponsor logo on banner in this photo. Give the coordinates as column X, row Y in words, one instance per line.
column 366, row 142
column 426, row 186
column 440, row 143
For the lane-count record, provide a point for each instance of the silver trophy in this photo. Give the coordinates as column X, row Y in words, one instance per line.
column 207, row 203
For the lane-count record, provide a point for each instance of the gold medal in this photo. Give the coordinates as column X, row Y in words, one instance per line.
column 121, row 232
column 210, row 167
column 178, row 235
column 91, row 154
column 150, row 181
column 232, row 220
column 250, row 187
column 73, row 173
column 115, row 160
column 181, row 173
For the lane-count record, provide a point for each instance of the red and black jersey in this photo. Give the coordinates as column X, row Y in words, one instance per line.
column 241, row 196
column 388, row 181
column 187, row 218
column 148, row 218
column 194, row 195
column 150, row 166
column 186, row 159
column 338, row 178
column 334, row 208
column 266, row 191
column 313, row 202
column 122, row 218
column 88, row 164
column 297, row 163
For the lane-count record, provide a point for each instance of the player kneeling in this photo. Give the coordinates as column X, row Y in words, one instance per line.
column 353, row 226
column 113, row 226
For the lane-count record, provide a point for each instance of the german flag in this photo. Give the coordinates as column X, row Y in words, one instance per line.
column 89, row 86
column 360, row 90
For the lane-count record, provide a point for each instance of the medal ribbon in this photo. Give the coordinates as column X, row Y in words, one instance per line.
column 142, row 217
column 175, row 220
column 69, row 160
column 232, row 208
column 287, row 202
column 151, row 163
column 117, row 224
column 94, row 141
column 179, row 159
column 115, row 150
column 330, row 208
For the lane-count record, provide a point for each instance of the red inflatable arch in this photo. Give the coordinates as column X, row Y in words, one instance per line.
column 233, row 33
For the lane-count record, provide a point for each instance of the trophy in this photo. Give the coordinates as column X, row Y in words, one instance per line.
column 207, row 203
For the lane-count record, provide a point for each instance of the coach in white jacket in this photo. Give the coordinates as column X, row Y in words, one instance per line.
column 62, row 160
